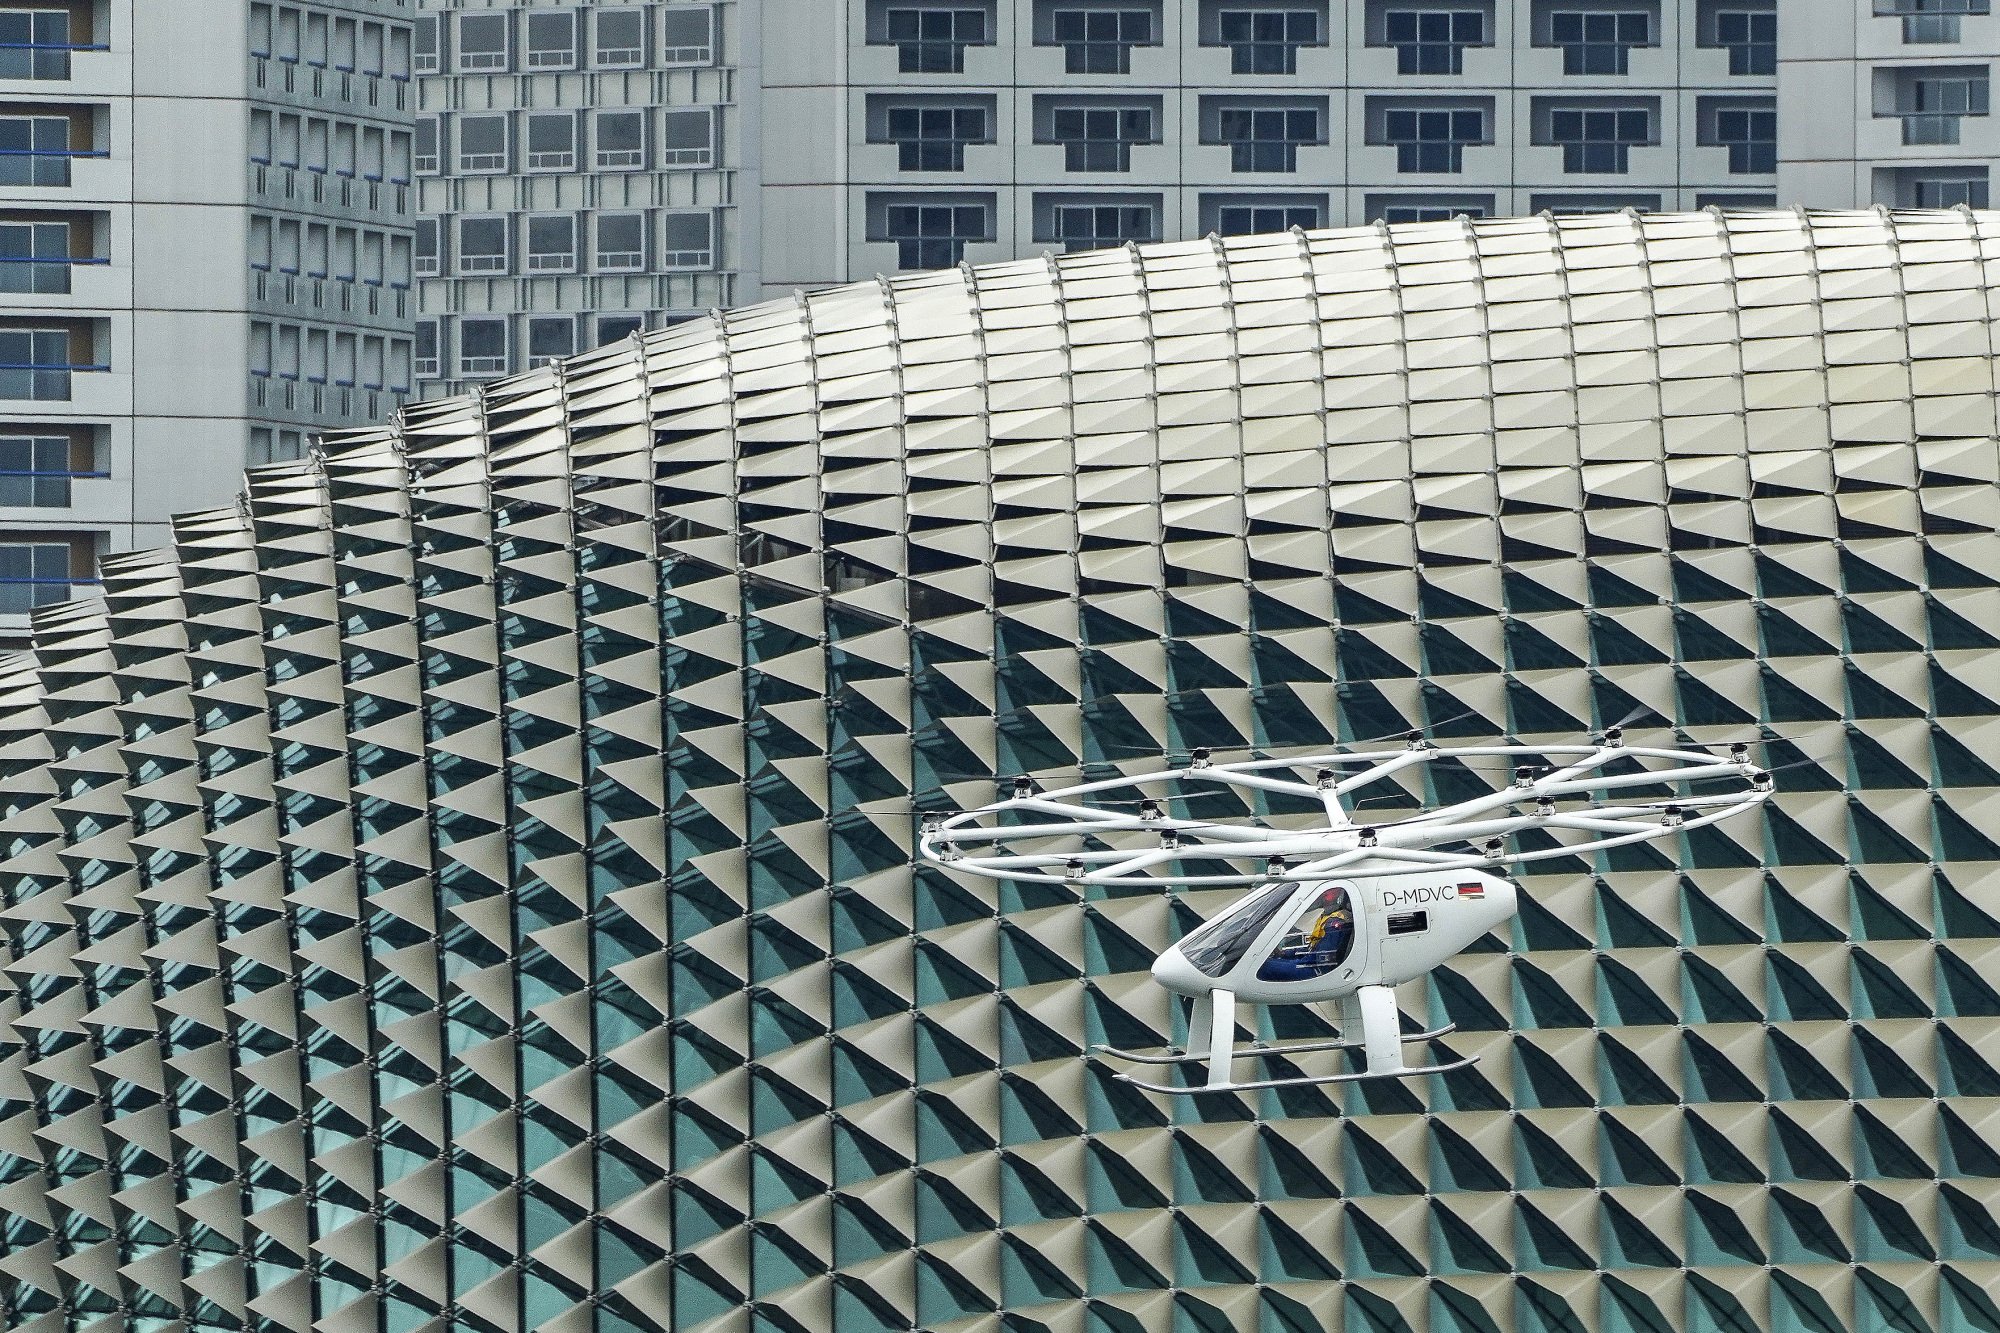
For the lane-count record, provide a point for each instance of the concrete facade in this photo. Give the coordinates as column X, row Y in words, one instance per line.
column 582, row 175
column 1402, row 109
column 1891, row 104
column 204, row 246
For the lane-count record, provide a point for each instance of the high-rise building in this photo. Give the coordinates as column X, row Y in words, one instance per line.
column 1891, row 106
column 581, row 175
column 470, row 887
column 988, row 129
column 204, row 255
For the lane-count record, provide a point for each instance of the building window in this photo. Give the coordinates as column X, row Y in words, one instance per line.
column 1094, row 226
column 1932, row 22
column 36, row 470
column 1259, row 219
column 1100, row 41
column 1433, row 41
column 1598, row 140
column 426, row 360
column 687, row 36
column 428, row 260
column 1748, row 32
column 1586, row 205
column 482, row 143
column 687, row 138
column 34, row 150
column 482, row 43
column 428, row 50
column 1933, row 102
column 426, row 159
column 933, row 138
column 933, row 40
column 1266, row 41
column 34, row 44
column 1749, row 130
column 934, row 235
column 618, row 38
column 35, row 574
column 551, row 38
column 550, row 338
column 35, row 365
column 1432, row 139
column 1599, row 41
column 621, row 139
column 551, row 141
column 621, row 242
column 1264, row 138
column 1427, row 210
column 482, row 346
column 688, row 241
column 617, row 328
column 1100, row 138
column 35, row 258
column 552, row 243
column 1967, row 189
column 482, row 246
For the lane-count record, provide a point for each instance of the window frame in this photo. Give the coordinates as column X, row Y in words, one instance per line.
column 535, row 264
column 633, row 159
column 492, row 164
column 468, row 60
column 598, row 254
column 534, row 60
column 482, row 263
column 621, row 57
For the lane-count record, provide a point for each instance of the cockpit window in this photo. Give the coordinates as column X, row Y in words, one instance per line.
column 1221, row 944
column 1318, row 941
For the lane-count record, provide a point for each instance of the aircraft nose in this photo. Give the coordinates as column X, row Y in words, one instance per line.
column 1173, row 970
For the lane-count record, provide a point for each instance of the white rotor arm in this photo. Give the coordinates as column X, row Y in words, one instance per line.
column 1069, row 836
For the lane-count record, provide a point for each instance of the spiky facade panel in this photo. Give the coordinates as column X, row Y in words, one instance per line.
column 469, row 884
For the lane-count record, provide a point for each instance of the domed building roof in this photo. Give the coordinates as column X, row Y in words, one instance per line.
column 469, row 883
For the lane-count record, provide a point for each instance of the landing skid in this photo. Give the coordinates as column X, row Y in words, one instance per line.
column 1367, row 1011
column 1259, row 1051
column 1258, row 1085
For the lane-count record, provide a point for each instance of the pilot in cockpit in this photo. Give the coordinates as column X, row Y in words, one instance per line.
column 1317, row 942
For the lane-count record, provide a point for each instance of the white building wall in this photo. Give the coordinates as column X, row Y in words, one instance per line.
column 1860, row 130
column 826, row 162
column 167, row 398
column 484, row 315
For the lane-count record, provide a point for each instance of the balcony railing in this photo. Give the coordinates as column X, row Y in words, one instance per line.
column 19, row 596
column 39, row 275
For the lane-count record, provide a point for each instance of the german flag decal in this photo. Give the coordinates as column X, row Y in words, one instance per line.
column 1472, row 890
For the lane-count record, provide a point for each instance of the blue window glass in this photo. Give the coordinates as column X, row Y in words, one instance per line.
column 933, row 138
column 1433, row 41
column 34, row 44
column 1100, row 41
column 1751, row 136
column 1266, row 139
column 34, row 150
column 1100, row 138
column 1432, row 140
column 1599, row 42
column 35, row 258
column 35, row 364
column 1259, row 219
column 1093, row 227
column 36, row 470
column 1750, row 37
column 933, row 41
column 1266, row 41
column 33, row 574
column 934, row 235
column 1599, row 141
